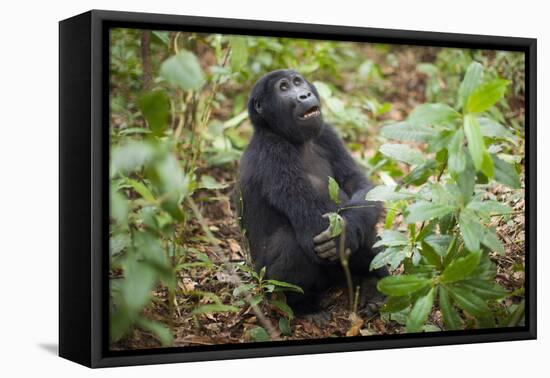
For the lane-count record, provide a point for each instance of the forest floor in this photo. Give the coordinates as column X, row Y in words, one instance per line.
column 408, row 89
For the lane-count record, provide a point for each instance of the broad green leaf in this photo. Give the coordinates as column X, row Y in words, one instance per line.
column 472, row 79
column 333, row 190
column 155, row 107
column 484, row 289
column 209, row 182
column 162, row 36
column 402, row 284
column 402, row 152
column 239, row 53
column 440, row 243
column 461, row 267
column 284, row 326
column 283, row 307
column 405, row 132
column 420, row 311
column 450, row 315
column 392, row 256
column 214, row 308
column 480, row 157
column 259, row 334
column 388, row 193
column 243, row 289
column 432, row 114
column 491, row 241
column 136, row 289
column 470, row 228
column 492, row 129
column 420, row 174
column 457, row 158
column 423, row 210
column 335, row 221
column 486, row 95
column 285, row 286
column 466, row 180
column 141, row 189
column 183, row 70
column 490, row 207
column 506, row 173
column 131, row 156
column 391, row 238
column 395, row 304
column 158, row 329
column 468, row 301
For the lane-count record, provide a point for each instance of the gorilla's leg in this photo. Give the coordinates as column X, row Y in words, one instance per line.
column 287, row 262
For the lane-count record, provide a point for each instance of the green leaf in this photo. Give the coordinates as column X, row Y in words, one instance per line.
column 461, row 267
column 472, row 79
column 491, row 241
column 183, row 70
column 141, row 189
column 468, row 301
column 432, row 114
column 282, row 306
column 392, row 256
column 420, row 311
column 214, row 308
column 405, row 132
column 239, row 53
column 391, row 238
column 246, row 288
column 259, row 334
column 423, row 210
column 335, row 221
column 388, row 193
column 476, row 146
column 284, row 326
column 490, row 207
column 506, row 173
column 484, row 289
column 402, row 152
column 333, row 190
column 209, row 182
column 470, row 228
column 451, row 318
column 158, row 329
column 440, row 243
column 457, row 158
column 137, row 286
column 395, row 304
column 285, row 286
column 131, row 156
column 492, row 129
column 486, row 95
column 420, row 174
column 155, row 107
column 403, row 284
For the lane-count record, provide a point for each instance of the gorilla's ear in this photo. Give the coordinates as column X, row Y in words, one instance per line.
column 258, row 106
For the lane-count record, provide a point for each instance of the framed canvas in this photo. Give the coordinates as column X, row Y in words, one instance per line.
column 235, row 188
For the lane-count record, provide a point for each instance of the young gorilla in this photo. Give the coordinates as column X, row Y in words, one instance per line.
column 284, row 185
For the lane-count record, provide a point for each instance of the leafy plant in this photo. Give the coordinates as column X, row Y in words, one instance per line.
column 447, row 207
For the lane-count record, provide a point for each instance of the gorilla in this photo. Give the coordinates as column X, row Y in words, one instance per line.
column 283, row 181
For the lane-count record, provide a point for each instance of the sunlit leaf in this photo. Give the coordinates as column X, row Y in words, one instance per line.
column 458, row 269
column 472, row 79
column 486, row 95
column 450, row 315
column 432, row 114
column 403, row 284
column 155, row 107
column 423, row 210
column 402, row 152
column 333, row 190
column 183, row 70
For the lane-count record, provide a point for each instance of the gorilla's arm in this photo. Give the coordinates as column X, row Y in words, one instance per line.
column 360, row 215
column 283, row 184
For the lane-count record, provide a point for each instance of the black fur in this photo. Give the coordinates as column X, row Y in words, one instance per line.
column 283, row 181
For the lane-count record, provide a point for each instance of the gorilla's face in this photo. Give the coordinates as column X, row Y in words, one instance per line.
column 287, row 104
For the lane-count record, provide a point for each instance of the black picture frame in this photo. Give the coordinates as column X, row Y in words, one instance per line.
column 84, row 194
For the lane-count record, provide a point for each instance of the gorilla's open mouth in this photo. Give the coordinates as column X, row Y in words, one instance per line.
column 312, row 112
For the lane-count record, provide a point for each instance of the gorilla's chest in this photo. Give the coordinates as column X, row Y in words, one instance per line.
column 317, row 170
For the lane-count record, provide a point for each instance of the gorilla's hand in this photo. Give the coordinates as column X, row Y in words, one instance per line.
column 327, row 246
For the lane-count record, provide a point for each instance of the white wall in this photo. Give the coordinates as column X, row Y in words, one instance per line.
column 29, row 189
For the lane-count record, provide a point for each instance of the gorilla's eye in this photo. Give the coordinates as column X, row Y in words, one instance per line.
column 284, row 86
column 297, row 81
